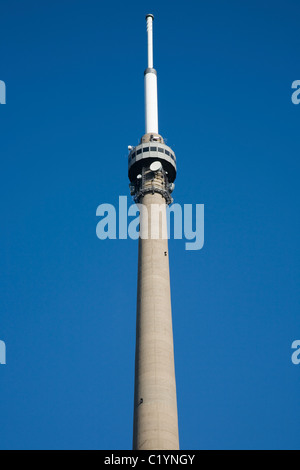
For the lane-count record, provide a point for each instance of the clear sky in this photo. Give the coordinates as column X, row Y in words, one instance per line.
column 74, row 77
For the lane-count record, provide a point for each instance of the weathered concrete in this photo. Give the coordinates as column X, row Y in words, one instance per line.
column 155, row 403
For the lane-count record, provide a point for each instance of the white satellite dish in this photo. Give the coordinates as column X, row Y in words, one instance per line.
column 155, row 166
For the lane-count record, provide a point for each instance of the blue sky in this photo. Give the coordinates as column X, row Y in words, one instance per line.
column 74, row 77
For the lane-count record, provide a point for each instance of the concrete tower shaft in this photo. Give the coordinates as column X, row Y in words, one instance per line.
column 155, row 403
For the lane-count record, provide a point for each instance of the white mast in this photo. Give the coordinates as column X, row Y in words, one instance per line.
column 151, row 113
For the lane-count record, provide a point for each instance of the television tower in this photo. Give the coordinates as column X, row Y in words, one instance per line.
column 152, row 171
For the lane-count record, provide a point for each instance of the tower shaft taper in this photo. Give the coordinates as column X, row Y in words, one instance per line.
column 155, row 404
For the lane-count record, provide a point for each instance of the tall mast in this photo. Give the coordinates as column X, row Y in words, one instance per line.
column 152, row 171
column 151, row 112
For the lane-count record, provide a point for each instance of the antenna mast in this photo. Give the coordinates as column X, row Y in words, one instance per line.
column 150, row 74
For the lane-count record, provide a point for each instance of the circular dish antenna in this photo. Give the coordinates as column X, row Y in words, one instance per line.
column 155, row 166
column 171, row 187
